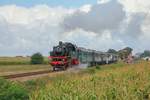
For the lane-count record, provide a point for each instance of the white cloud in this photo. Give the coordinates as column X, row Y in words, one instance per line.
column 86, row 8
column 100, row 18
column 24, row 31
column 21, row 15
column 138, row 25
column 102, row 1
column 91, row 40
column 28, row 30
column 136, row 5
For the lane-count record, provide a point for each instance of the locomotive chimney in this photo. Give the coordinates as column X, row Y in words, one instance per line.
column 60, row 42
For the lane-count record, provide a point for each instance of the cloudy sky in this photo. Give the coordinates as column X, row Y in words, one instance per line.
column 29, row 26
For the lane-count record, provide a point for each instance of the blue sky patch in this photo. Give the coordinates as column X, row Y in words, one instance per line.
column 64, row 3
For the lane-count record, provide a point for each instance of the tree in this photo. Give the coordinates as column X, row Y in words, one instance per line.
column 37, row 58
column 128, row 50
column 146, row 53
column 124, row 53
column 112, row 51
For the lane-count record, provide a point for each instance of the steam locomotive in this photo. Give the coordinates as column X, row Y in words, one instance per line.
column 67, row 54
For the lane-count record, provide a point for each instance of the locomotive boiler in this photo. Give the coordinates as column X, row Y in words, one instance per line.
column 67, row 55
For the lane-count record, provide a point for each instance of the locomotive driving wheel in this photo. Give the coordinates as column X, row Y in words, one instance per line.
column 64, row 67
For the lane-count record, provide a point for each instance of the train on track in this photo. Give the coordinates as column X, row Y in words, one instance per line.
column 67, row 55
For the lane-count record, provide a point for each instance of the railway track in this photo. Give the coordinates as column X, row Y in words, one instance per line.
column 27, row 74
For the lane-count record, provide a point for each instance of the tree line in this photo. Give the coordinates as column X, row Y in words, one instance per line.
column 123, row 53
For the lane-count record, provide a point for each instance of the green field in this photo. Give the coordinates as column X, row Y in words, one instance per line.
column 18, row 60
column 10, row 65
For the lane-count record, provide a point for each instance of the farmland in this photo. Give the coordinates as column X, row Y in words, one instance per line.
column 118, row 81
column 111, row 82
column 10, row 65
column 17, row 60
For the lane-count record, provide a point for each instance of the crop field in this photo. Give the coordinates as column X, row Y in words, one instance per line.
column 10, row 65
column 110, row 82
column 17, row 60
column 118, row 81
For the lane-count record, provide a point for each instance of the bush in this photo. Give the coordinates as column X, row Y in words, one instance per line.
column 98, row 67
column 37, row 58
column 12, row 91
